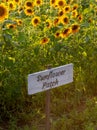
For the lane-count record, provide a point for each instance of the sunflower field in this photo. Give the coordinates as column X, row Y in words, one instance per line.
column 38, row 33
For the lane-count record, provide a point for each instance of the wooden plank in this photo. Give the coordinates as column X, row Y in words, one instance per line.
column 51, row 78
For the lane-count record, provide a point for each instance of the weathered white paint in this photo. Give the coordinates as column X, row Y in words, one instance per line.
column 51, row 78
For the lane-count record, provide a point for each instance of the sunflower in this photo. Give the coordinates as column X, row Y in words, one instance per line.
column 60, row 3
column 79, row 17
column 53, row 3
column 3, row 12
column 20, row 9
column 11, row 26
column 11, row 5
column 5, row 0
column 56, row 21
column 90, row 20
column 57, row 34
column 17, row 2
column 44, row 40
column 65, row 20
column 66, row 32
column 28, row 11
column 38, row 2
column 74, row 14
column 35, row 21
column 60, row 13
column 18, row 21
column 75, row 6
column 75, row 28
column 28, row 4
column 48, row 23
column 67, row 9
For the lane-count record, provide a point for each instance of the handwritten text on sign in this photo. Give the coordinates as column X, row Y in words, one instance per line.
column 44, row 80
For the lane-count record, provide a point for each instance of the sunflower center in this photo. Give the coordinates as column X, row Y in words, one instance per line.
column 65, row 31
column 66, row 9
column 11, row 5
column 79, row 17
column 2, row 11
column 17, row 1
column 20, row 22
column 57, row 34
column 29, row 10
column 74, row 27
column 60, row 3
column 75, row 7
column 38, row 2
column 21, row 9
column 61, row 13
column 65, row 20
column 47, row 24
column 35, row 21
column 11, row 26
column 56, row 20
column 53, row 1
column 29, row 4
column 44, row 40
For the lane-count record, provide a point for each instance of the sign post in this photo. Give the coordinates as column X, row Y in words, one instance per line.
column 47, row 109
column 47, row 106
column 49, row 79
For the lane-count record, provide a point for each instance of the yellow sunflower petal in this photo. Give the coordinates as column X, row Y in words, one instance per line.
column 3, row 12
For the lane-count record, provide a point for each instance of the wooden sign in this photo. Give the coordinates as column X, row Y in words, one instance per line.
column 51, row 78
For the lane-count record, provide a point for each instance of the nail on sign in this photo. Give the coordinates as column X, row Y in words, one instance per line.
column 51, row 78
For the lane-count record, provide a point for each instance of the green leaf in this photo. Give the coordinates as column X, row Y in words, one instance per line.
column 21, row 37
